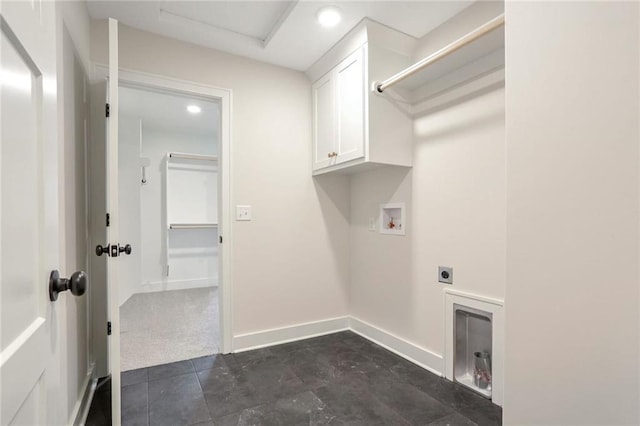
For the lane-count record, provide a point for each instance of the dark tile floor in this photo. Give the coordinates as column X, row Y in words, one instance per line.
column 338, row 379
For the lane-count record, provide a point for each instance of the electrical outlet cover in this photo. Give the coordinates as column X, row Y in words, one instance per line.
column 243, row 212
column 445, row 274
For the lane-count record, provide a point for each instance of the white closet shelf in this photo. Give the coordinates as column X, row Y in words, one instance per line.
column 475, row 60
column 188, row 156
column 192, row 225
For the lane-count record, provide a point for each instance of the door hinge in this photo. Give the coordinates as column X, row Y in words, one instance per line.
column 220, row 239
column 108, row 328
column 107, row 112
column 108, row 219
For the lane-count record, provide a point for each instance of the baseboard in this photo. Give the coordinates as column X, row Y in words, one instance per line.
column 407, row 350
column 411, row 352
column 81, row 409
column 276, row 336
column 168, row 285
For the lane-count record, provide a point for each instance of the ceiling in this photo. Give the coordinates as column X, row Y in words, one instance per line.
column 168, row 111
column 284, row 33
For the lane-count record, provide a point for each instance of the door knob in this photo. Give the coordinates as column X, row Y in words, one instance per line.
column 113, row 250
column 77, row 284
column 102, row 250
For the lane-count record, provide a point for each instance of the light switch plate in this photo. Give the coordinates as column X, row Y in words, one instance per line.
column 243, row 212
column 445, row 274
column 372, row 223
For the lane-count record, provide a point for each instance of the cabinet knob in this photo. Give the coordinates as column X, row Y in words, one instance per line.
column 332, row 154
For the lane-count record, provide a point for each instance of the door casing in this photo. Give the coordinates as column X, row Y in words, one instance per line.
column 224, row 97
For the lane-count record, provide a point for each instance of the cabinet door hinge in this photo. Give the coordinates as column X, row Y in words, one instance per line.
column 108, row 328
column 220, row 239
column 107, row 112
column 108, row 219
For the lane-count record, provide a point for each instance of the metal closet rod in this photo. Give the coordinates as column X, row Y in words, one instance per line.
column 192, row 225
column 193, row 156
column 445, row 51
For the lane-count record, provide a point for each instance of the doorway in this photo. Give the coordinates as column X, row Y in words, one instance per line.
column 169, row 208
column 108, row 362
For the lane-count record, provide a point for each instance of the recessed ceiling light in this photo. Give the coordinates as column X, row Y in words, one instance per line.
column 194, row 109
column 329, row 16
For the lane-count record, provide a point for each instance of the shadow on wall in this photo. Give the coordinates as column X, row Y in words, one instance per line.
column 334, row 197
column 480, row 118
column 386, row 184
column 381, row 292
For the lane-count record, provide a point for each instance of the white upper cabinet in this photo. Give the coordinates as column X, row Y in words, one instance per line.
column 354, row 130
column 338, row 113
column 350, row 96
column 323, row 118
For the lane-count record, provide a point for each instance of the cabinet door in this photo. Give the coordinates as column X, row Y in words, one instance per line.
column 349, row 106
column 323, row 122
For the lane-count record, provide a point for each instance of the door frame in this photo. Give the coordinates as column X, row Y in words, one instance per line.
column 143, row 80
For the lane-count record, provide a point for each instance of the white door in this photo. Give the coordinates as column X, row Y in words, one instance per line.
column 349, row 104
column 103, row 159
column 323, row 118
column 29, row 228
column 112, row 229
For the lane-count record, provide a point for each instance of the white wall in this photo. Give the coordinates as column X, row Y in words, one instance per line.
column 467, row 20
column 291, row 262
column 572, row 213
column 129, row 141
column 571, row 193
column 77, row 22
column 455, row 200
column 193, row 254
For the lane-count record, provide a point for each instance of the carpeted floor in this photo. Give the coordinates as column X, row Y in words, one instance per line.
column 163, row 327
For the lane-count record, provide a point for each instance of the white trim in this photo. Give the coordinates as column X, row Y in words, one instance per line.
column 277, row 336
column 81, row 408
column 156, row 81
column 225, row 97
column 224, row 226
column 169, row 285
column 486, row 304
column 278, row 24
column 113, row 311
column 473, row 296
column 410, row 351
